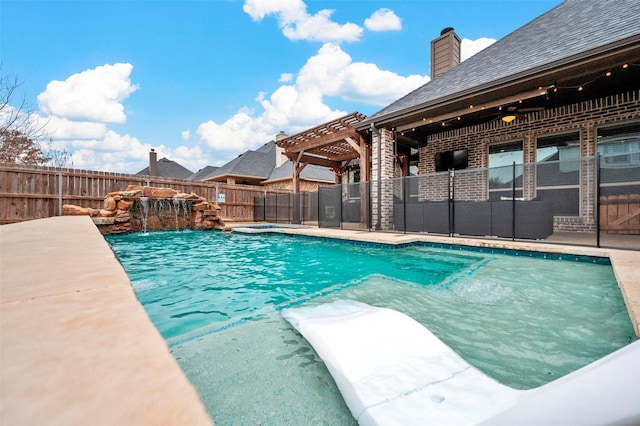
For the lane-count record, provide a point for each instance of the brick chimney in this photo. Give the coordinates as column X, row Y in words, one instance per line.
column 445, row 52
column 153, row 163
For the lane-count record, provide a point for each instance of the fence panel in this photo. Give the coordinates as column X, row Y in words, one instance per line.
column 33, row 192
column 620, row 194
column 330, row 206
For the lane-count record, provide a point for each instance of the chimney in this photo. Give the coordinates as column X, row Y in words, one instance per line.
column 445, row 52
column 280, row 157
column 153, row 163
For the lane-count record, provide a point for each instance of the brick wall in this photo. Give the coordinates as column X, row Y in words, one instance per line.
column 583, row 117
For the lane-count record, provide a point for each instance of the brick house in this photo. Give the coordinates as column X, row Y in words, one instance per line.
column 564, row 87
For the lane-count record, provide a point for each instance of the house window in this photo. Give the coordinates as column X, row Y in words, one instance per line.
column 564, row 149
column 501, row 159
column 619, row 146
column 558, row 173
column 354, row 183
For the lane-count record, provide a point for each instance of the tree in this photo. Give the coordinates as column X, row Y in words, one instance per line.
column 16, row 147
column 21, row 130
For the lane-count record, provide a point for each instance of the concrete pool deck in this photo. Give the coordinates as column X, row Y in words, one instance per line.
column 78, row 348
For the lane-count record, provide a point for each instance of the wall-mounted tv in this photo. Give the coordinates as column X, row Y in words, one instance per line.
column 457, row 160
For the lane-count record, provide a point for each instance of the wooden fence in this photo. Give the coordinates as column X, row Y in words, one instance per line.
column 34, row 192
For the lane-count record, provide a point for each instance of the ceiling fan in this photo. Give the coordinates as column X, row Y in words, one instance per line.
column 511, row 112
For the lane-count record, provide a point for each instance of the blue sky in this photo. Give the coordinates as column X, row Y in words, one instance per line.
column 203, row 81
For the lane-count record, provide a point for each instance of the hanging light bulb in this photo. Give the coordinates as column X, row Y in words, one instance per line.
column 508, row 118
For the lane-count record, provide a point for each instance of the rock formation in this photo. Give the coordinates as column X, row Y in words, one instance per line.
column 147, row 208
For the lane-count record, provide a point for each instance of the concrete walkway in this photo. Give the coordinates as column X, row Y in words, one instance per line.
column 77, row 347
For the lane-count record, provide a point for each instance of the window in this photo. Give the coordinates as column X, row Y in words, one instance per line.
column 558, row 173
column 563, row 149
column 501, row 159
column 414, row 160
column 354, row 183
column 619, row 146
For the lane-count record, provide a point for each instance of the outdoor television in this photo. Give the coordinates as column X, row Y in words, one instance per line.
column 458, row 159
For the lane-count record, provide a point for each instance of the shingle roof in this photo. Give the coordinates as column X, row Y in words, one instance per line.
column 204, row 173
column 258, row 163
column 310, row 172
column 168, row 169
column 568, row 30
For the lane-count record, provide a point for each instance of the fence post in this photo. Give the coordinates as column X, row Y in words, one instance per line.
column 452, row 206
column 513, row 201
column 60, row 194
column 597, row 212
column 341, row 188
column 404, row 203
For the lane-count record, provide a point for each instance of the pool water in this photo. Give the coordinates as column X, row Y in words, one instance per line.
column 215, row 297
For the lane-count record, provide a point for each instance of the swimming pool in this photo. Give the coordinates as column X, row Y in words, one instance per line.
column 215, row 296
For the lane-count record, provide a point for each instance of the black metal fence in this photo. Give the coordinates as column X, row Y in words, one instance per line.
column 333, row 206
column 580, row 200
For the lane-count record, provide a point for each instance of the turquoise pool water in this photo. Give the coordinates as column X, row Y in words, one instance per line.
column 215, row 297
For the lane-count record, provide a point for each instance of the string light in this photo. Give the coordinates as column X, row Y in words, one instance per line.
column 552, row 88
column 582, row 86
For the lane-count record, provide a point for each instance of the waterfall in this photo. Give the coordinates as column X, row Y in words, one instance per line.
column 176, row 208
column 144, row 202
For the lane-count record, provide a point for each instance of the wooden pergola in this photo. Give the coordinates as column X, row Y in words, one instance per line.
column 334, row 145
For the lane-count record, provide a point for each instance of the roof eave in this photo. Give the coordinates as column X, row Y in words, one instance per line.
column 228, row 175
column 592, row 55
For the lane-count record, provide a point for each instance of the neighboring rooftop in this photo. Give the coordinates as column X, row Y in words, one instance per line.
column 570, row 31
column 168, row 169
column 204, row 173
column 251, row 166
column 310, row 172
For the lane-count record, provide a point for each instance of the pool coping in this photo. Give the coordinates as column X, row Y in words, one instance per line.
column 77, row 347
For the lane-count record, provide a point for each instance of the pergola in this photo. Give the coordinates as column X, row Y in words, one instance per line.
column 333, row 144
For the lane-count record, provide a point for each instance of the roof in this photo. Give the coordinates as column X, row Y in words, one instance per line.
column 571, row 30
column 310, row 172
column 257, row 164
column 168, row 169
column 328, row 144
column 204, row 173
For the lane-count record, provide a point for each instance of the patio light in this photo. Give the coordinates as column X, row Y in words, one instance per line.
column 508, row 118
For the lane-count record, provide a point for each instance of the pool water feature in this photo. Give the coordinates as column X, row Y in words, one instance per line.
column 215, row 297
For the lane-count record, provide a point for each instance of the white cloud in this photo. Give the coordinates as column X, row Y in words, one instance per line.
column 334, row 73
column 79, row 109
column 469, row 47
column 297, row 24
column 286, row 77
column 383, row 20
column 301, row 105
column 126, row 154
column 63, row 128
column 92, row 95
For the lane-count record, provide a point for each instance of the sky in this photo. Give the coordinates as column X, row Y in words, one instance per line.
column 202, row 81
